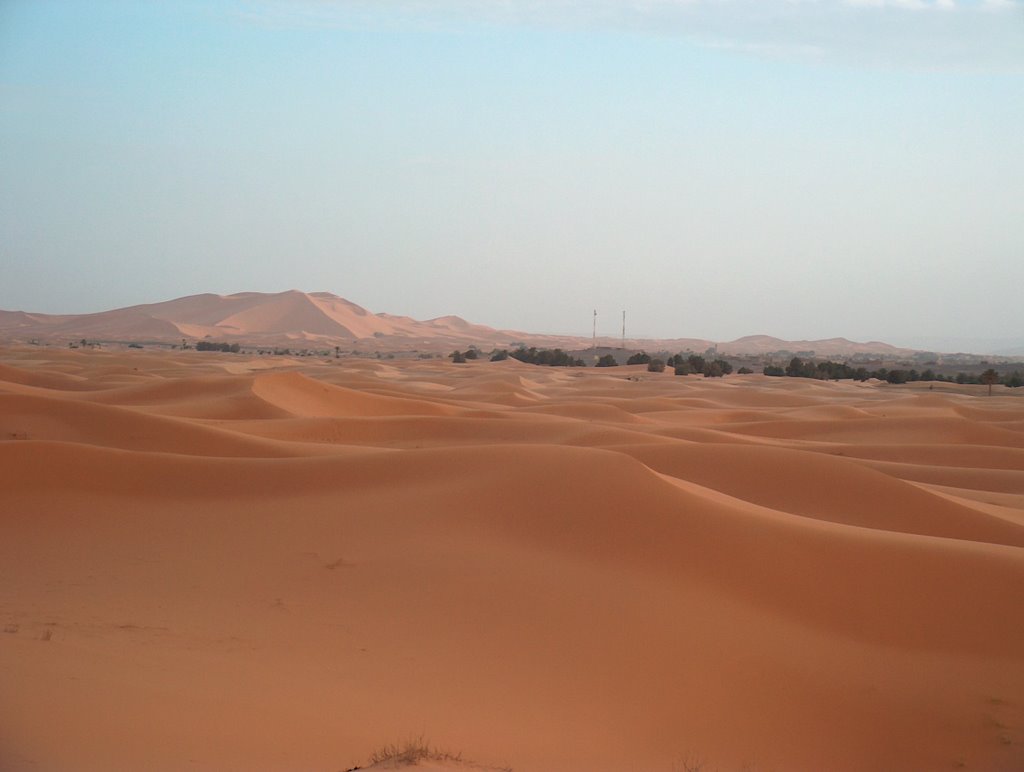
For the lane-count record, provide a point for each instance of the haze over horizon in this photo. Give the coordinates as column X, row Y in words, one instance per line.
column 799, row 169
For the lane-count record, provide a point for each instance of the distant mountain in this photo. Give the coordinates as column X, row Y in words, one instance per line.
column 765, row 344
column 321, row 318
column 996, row 346
column 292, row 316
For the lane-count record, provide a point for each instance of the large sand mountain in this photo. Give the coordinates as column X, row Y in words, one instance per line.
column 326, row 319
column 249, row 316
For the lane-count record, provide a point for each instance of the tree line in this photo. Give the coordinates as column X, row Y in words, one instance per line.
column 827, row 370
column 682, row 364
column 207, row 345
column 695, row 364
column 546, row 357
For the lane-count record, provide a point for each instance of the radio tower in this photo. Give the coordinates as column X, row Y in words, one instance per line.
column 595, row 331
column 623, row 328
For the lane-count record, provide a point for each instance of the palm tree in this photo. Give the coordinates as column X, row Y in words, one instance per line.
column 990, row 376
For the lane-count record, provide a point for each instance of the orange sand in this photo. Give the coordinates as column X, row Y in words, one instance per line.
column 208, row 563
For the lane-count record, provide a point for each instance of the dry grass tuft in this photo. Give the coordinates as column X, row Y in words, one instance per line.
column 409, row 752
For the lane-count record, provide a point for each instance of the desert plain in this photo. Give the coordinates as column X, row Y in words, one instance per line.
column 230, row 562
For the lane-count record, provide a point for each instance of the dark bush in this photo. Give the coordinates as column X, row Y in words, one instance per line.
column 989, row 377
column 797, row 368
column 206, row 345
column 547, row 357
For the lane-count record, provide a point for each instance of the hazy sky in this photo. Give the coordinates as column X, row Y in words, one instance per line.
column 718, row 168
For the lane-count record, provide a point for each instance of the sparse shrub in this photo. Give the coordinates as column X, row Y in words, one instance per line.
column 548, row 357
column 683, row 368
column 744, row 371
column 713, row 370
column 206, row 345
column 797, row 368
column 410, row 752
column 499, row 356
column 607, row 361
column 989, row 377
column 693, row 764
column 656, row 366
column 897, row 376
column 458, row 358
column 639, row 358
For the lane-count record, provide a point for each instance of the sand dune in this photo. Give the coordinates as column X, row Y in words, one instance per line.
column 10, row 376
column 208, row 564
column 282, row 317
column 300, row 395
column 324, row 319
column 823, row 487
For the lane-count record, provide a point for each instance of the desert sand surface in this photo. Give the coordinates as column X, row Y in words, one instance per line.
column 216, row 562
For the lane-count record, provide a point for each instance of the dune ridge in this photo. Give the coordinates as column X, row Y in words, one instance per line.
column 209, row 563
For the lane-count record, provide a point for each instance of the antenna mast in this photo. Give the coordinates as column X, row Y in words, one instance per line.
column 595, row 331
column 623, row 328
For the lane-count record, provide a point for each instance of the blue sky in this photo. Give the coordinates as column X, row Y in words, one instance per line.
column 800, row 168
